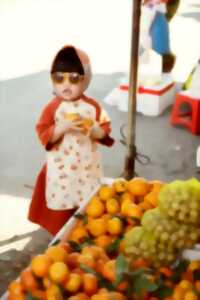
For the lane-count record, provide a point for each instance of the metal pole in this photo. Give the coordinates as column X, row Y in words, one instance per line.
column 129, row 170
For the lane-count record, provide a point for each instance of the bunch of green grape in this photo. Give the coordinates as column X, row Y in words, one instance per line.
column 163, row 233
column 180, row 201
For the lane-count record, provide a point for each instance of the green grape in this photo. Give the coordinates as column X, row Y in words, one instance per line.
column 180, row 200
column 133, row 236
column 149, row 219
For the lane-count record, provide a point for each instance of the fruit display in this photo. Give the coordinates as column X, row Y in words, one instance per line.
column 121, row 247
column 169, row 228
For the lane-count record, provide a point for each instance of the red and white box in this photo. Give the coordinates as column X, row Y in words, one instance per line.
column 152, row 100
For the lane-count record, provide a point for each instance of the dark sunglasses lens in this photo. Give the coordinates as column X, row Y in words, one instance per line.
column 58, row 78
column 74, row 77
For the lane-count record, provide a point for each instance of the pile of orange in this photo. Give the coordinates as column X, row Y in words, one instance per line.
column 116, row 209
column 62, row 273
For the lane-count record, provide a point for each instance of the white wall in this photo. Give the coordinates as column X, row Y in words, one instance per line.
column 32, row 31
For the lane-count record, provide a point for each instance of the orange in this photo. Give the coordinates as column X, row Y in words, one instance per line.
column 190, row 295
column 185, row 284
column 46, row 282
column 57, row 253
column 112, row 206
column 87, row 260
column 156, row 185
column 59, row 272
column 97, row 226
column 152, row 198
column 134, row 211
column 39, row 294
column 119, row 186
column 72, row 116
column 194, row 265
column 127, row 196
column 90, row 284
column 145, row 205
column 16, row 297
column 65, row 245
column 126, row 202
column 54, row 293
column 40, row 265
column 115, row 226
column 15, row 288
column 78, row 234
column 109, row 270
column 74, row 282
column 94, row 251
column 72, row 260
column 106, row 192
column 100, row 263
column 103, row 241
column 178, row 293
column 95, row 208
column 87, row 123
column 197, row 285
column 28, row 281
column 79, row 296
column 138, row 186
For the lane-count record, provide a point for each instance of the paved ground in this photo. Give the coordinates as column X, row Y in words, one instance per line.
column 171, row 150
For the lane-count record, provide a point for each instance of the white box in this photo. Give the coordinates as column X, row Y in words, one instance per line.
column 151, row 100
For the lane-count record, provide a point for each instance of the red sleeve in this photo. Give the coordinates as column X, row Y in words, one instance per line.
column 46, row 123
column 107, row 140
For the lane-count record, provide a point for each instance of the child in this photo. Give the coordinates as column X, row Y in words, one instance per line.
column 69, row 128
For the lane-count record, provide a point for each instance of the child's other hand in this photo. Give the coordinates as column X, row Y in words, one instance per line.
column 96, row 132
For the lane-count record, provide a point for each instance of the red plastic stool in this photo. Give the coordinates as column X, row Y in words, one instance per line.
column 190, row 120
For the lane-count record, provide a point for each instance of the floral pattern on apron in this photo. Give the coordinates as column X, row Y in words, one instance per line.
column 74, row 166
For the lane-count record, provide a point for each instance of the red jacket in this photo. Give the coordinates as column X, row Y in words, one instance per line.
column 53, row 220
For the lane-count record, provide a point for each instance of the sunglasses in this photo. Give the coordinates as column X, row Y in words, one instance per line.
column 60, row 77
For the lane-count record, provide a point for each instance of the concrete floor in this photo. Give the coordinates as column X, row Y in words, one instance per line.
column 172, row 151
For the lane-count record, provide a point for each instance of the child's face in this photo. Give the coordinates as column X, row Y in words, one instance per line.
column 68, row 85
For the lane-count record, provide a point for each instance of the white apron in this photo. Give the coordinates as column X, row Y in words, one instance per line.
column 74, row 167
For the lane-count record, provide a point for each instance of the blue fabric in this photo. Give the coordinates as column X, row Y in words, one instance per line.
column 159, row 33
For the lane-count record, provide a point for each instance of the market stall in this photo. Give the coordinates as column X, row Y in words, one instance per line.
column 132, row 238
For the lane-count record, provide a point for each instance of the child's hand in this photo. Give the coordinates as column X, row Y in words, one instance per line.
column 72, row 126
column 96, row 132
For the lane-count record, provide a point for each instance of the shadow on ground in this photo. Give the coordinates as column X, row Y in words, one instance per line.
column 12, row 262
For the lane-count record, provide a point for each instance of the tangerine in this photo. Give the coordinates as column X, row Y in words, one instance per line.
column 40, row 265
column 59, row 272
column 138, row 186
column 115, row 226
column 106, row 192
column 74, row 282
column 57, row 253
column 112, row 206
column 95, row 208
